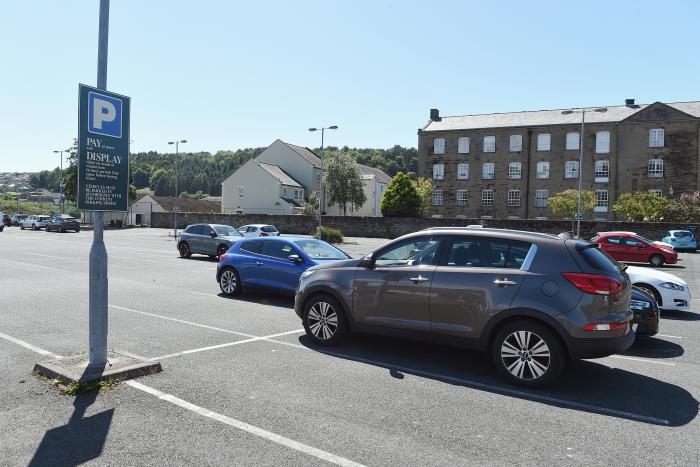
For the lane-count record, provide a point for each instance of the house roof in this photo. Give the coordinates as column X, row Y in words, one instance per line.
column 282, row 176
column 291, row 202
column 186, row 204
column 306, row 153
column 379, row 174
column 548, row 117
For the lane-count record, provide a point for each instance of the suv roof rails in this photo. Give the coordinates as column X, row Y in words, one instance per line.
column 495, row 229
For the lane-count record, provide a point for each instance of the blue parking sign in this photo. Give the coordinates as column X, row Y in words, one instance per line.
column 104, row 115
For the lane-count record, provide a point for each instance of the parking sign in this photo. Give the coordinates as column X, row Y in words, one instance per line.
column 103, row 150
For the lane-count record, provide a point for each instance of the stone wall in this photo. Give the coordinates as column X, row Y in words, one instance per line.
column 392, row 227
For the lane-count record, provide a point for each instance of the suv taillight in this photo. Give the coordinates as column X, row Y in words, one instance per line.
column 594, row 284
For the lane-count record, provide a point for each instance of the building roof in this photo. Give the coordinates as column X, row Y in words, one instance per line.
column 548, row 117
column 282, row 176
column 306, row 153
column 379, row 174
column 186, row 204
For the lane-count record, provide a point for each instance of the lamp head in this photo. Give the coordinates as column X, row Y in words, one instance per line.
column 567, row 112
column 313, row 129
column 333, row 127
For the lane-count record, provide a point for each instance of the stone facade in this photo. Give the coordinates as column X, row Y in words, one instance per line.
column 627, row 156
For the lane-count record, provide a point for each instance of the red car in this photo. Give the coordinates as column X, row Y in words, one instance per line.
column 629, row 247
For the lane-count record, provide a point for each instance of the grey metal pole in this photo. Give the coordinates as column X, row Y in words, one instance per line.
column 580, row 172
column 320, row 192
column 98, row 253
column 60, row 183
column 177, row 177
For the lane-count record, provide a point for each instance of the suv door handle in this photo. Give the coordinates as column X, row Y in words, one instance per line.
column 259, row 263
column 419, row 279
column 504, row 282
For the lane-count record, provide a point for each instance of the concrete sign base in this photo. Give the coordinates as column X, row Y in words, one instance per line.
column 76, row 370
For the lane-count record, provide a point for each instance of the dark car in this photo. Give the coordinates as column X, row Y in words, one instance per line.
column 646, row 313
column 272, row 263
column 62, row 223
column 5, row 220
column 531, row 300
column 207, row 239
column 629, row 247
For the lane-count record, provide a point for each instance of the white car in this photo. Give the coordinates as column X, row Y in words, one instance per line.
column 34, row 222
column 259, row 230
column 670, row 292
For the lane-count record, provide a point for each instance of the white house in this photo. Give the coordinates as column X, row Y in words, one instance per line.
column 281, row 179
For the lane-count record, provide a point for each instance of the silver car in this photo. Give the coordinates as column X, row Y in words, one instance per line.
column 35, row 222
column 212, row 240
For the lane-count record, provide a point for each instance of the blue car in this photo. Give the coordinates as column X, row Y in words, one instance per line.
column 272, row 263
column 681, row 240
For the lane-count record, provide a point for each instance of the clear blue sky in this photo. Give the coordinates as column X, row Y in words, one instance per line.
column 235, row 74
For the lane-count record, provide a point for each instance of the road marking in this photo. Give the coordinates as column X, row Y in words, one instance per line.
column 254, row 430
column 31, row 265
column 72, row 259
column 645, row 360
column 29, row 346
column 203, row 293
column 672, row 337
column 228, row 344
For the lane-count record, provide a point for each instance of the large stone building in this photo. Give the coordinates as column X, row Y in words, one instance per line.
column 507, row 165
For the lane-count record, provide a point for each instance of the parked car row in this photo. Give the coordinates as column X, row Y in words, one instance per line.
column 57, row 222
column 214, row 240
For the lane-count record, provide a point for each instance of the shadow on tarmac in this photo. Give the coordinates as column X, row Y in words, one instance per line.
column 584, row 386
column 676, row 315
column 78, row 441
column 654, row 347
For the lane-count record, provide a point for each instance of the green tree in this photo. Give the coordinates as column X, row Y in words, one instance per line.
column 401, row 198
column 565, row 203
column 70, row 173
column 424, row 188
column 343, row 181
column 140, row 178
column 311, row 206
column 642, row 207
column 685, row 208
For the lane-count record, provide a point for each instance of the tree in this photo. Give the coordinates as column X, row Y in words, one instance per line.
column 401, row 198
column 343, row 181
column 70, row 174
column 565, row 203
column 642, row 207
column 311, row 206
column 685, row 208
column 141, row 178
column 424, row 188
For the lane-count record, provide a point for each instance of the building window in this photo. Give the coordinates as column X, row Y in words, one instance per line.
column 241, row 191
column 437, row 197
column 462, row 171
column 572, row 140
column 543, row 170
column 513, row 198
column 515, row 170
column 656, row 138
column 463, row 145
column 602, row 142
column 438, row 171
column 571, row 169
column 601, row 201
column 487, row 197
column 462, row 197
column 541, row 198
column 516, row 143
column 439, row 146
column 656, row 192
column 655, row 168
column 544, row 142
column 602, row 171
column 488, row 170
column 489, row 144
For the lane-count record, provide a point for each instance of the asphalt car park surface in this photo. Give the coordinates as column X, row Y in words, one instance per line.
column 242, row 385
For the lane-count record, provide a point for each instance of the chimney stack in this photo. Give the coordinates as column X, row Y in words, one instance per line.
column 435, row 115
column 629, row 102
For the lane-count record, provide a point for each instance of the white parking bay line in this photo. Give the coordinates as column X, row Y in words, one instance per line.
column 243, row 426
column 645, row 360
column 671, row 337
column 71, row 259
column 229, row 344
column 254, row 430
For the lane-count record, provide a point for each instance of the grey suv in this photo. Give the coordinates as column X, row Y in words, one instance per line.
column 531, row 300
column 207, row 239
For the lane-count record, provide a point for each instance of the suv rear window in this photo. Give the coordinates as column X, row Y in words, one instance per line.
column 598, row 259
column 269, row 228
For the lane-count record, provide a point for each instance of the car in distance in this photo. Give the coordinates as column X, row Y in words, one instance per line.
column 670, row 292
column 17, row 218
column 629, row 247
column 206, row 239
column 272, row 263
column 34, row 222
column 680, row 240
column 62, row 223
column 5, row 220
column 531, row 300
column 646, row 313
column 258, row 230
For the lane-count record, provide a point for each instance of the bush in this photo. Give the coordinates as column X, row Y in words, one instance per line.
column 401, row 198
column 329, row 234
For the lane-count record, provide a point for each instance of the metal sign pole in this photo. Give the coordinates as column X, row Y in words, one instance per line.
column 98, row 252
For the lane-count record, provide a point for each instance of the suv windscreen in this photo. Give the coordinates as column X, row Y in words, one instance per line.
column 227, row 231
column 317, row 249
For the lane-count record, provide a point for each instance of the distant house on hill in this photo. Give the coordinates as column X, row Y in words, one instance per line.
column 140, row 212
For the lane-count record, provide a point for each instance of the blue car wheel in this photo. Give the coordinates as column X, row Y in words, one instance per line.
column 229, row 282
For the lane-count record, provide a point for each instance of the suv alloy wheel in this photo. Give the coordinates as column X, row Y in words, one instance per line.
column 324, row 320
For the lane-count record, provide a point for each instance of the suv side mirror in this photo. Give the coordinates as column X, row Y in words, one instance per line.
column 295, row 259
column 367, row 262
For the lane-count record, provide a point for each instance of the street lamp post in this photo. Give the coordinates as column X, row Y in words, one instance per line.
column 177, row 178
column 580, row 160
column 320, row 189
column 60, row 182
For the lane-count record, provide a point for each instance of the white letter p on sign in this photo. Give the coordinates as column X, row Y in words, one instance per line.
column 103, row 111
